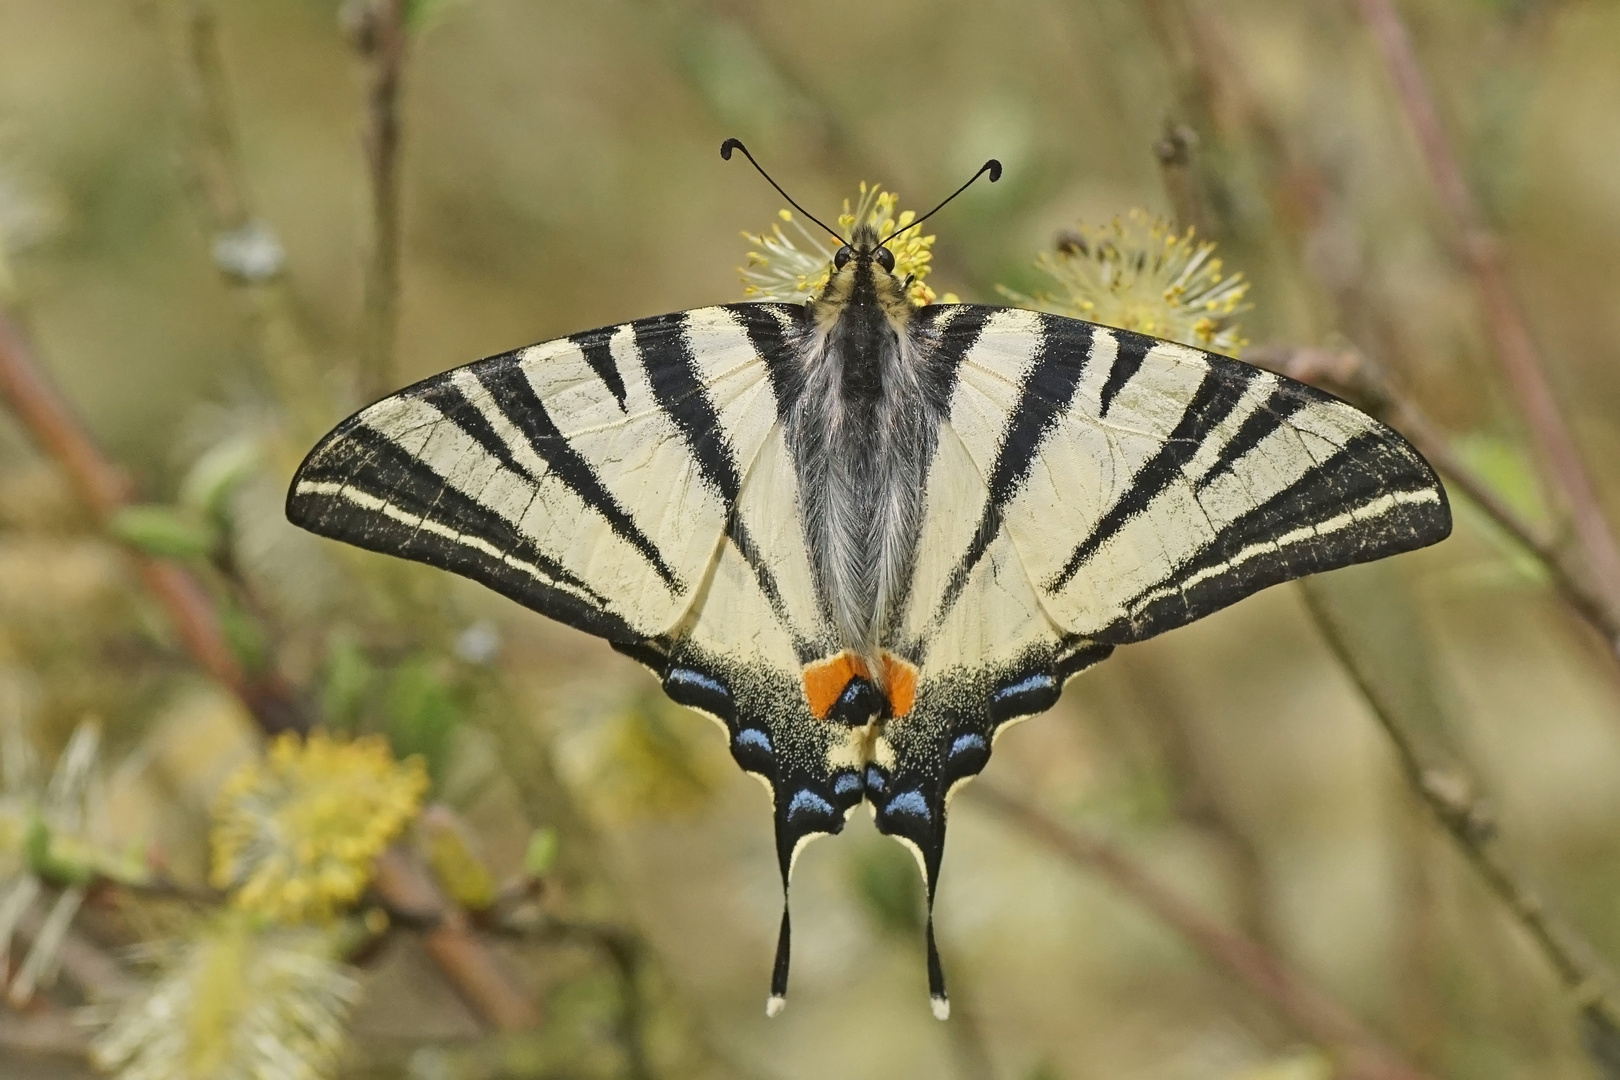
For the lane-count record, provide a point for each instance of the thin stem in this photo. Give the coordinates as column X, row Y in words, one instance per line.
column 1451, row 796
column 1352, row 376
column 1516, row 350
column 222, row 199
column 382, row 40
column 407, row 889
column 1311, row 1011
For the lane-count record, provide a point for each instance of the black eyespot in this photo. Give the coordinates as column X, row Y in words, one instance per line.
column 885, row 259
column 845, row 254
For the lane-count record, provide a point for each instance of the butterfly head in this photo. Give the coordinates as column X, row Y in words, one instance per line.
column 863, row 274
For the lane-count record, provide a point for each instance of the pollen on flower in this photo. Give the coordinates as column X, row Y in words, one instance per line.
column 794, row 268
column 1138, row 273
column 295, row 834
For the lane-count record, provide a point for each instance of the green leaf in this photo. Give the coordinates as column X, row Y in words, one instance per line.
column 541, row 853
column 165, row 531
column 51, row 864
column 890, row 888
column 422, row 710
column 215, row 476
column 420, row 14
column 1507, row 467
column 245, row 635
column 346, row 681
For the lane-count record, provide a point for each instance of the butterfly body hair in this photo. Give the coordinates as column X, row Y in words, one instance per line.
column 862, row 435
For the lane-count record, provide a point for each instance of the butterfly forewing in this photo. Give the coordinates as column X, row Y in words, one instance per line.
column 589, row 478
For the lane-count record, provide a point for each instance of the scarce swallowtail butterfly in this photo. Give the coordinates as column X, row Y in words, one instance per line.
column 867, row 537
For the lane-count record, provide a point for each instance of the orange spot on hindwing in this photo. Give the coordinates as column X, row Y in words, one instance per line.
column 900, row 683
column 826, row 680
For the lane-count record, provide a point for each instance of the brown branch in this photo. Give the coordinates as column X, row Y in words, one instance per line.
column 1516, row 350
column 1313, row 1013
column 409, row 891
column 465, row 960
column 378, row 30
column 105, row 490
column 1350, row 375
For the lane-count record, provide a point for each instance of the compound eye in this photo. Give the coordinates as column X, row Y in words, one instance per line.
column 845, row 254
column 885, row 259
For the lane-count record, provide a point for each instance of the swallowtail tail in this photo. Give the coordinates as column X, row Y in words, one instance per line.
column 866, row 537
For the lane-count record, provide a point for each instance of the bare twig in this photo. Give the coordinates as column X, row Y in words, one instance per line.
column 1312, row 1012
column 410, row 893
column 246, row 251
column 1352, row 376
column 1442, row 780
column 1174, row 151
column 1516, row 350
column 378, row 30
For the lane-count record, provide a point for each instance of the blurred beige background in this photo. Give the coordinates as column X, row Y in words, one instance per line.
column 560, row 172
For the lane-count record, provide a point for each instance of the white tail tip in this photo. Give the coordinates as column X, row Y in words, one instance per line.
column 775, row 1004
column 941, row 1007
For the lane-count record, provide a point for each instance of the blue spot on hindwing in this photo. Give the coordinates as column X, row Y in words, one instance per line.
column 846, row 782
column 755, row 738
column 805, row 801
column 1033, row 693
column 910, row 803
column 964, row 743
column 875, row 782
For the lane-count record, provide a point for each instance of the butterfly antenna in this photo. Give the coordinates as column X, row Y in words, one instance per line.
column 736, row 144
column 993, row 167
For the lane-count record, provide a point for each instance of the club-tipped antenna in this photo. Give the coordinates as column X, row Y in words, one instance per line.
column 736, row 144
column 993, row 167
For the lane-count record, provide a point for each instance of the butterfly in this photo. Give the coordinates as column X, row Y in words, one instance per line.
column 862, row 536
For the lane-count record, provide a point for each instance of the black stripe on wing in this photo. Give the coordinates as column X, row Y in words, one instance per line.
column 1062, row 353
column 1392, row 498
column 1283, row 403
column 511, row 392
column 774, row 331
column 598, row 350
column 1133, row 349
column 666, row 356
column 1219, row 392
column 950, row 331
column 677, row 387
column 361, row 487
